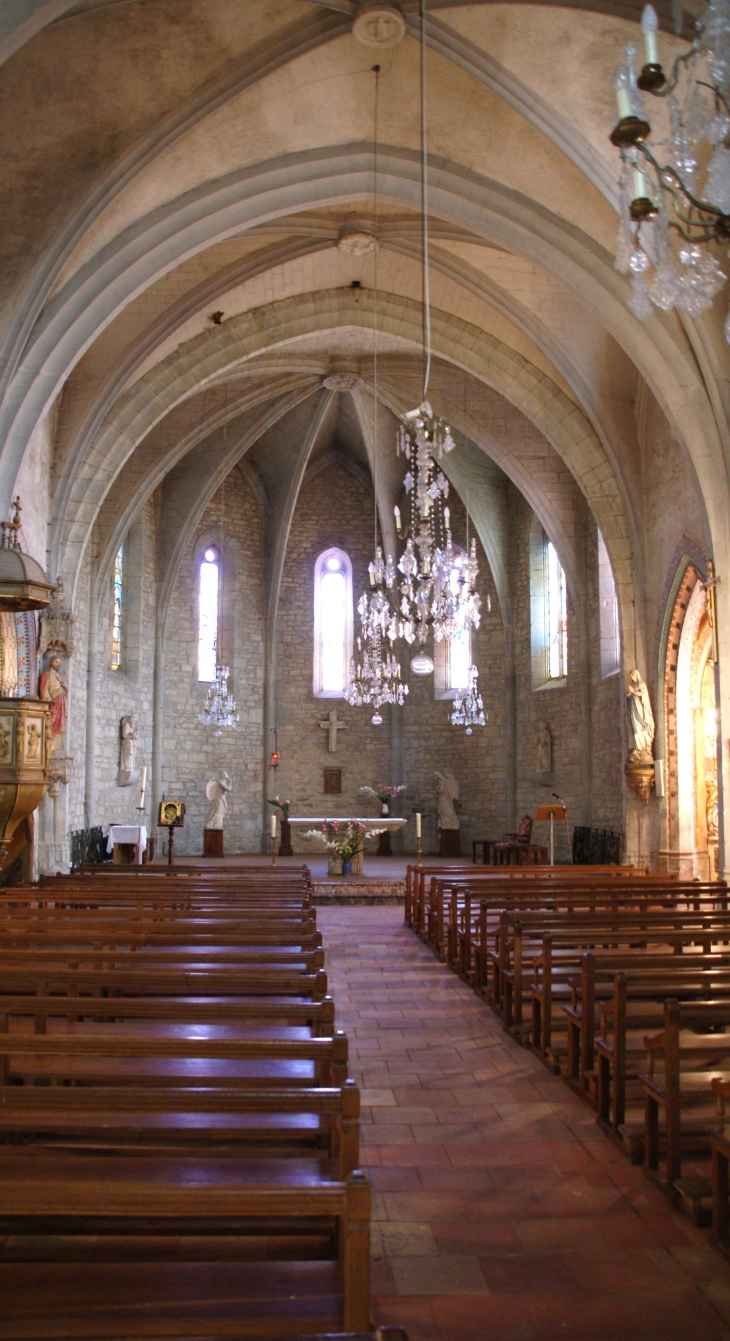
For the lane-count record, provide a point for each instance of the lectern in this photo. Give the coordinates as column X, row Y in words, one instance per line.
column 552, row 813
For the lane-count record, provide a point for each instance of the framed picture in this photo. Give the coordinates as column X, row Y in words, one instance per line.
column 332, row 781
column 172, row 814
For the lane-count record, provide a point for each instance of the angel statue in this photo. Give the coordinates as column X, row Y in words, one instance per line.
column 217, row 790
column 641, row 719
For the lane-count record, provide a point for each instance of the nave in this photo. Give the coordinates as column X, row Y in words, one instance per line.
column 500, row 1211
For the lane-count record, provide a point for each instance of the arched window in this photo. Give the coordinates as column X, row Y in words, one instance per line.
column 332, row 623
column 556, row 594
column 118, row 610
column 548, row 611
column 452, row 656
column 608, row 610
column 208, row 603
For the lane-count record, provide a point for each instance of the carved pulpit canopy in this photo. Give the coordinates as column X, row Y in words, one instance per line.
column 23, row 584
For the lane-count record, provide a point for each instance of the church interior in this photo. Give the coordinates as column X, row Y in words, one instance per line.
column 364, row 610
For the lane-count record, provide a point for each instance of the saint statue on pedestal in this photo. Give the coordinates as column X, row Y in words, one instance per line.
column 53, row 690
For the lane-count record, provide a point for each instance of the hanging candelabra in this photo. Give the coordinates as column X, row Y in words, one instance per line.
column 220, row 705
column 437, row 590
column 668, row 187
column 375, row 676
column 468, row 709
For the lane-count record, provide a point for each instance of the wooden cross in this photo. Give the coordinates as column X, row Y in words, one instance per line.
column 332, row 725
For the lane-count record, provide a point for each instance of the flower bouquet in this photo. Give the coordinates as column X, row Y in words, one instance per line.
column 385, row 795
column 343, row 839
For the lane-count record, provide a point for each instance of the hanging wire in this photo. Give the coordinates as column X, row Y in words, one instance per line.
column 424, row 213
column 376, row 72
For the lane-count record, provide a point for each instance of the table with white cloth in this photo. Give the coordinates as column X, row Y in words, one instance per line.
column 126, row 836
column 390, row 822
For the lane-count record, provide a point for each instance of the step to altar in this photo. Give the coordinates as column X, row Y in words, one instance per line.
column 355, row 889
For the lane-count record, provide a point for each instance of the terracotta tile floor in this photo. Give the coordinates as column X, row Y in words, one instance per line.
column 500, row 1212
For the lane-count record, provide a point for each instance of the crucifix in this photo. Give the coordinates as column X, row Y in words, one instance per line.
column 332, row 725
column 711, row 607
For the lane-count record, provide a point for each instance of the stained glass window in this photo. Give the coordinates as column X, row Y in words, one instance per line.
column 208, row 601
column 117, row 609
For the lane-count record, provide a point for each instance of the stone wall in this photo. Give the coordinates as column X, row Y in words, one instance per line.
column 127, row 690
column 191, row 753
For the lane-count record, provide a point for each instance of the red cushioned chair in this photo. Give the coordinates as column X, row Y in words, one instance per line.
column 512, row 850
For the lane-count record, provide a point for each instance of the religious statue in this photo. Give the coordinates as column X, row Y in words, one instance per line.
column 127, row 751
column 217, row 790
column 33, row 744
column 641, row 719
column 544, row 749
column 53, row 690
column 448, row 793
column 6, row 741
column 332, row 725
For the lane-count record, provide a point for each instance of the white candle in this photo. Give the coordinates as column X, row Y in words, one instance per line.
column 649, row 25
column 447, row 518
column 623, row 95
column 418, row 825
column 396, row 514
column 143, row 786
column 273, row 826
column 641, row 185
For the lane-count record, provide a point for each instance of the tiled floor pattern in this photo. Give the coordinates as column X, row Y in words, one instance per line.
column 501, row 1213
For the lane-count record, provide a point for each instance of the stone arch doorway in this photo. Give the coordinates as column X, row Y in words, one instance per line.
column 690, row 726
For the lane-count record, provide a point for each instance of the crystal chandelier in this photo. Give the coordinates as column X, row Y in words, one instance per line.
column 468, row 707
column 375, row 679
column 220, row 706
column 665, row 187
column 438, row 587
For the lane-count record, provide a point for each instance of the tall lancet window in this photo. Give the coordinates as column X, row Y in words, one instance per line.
column 332, row 623
column 557, row 614
column 118, row 610
column 208, row 607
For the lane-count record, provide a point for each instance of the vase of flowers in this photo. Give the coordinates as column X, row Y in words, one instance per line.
column 283, row 807
column 386, row 795
column 343, row 840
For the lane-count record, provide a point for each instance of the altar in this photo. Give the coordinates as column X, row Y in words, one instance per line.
column 371, row 822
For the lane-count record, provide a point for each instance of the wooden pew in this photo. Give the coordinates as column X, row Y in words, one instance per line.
column 678, row 1086
column 116, row 1063
column 303, row 1252
column 255, row 1123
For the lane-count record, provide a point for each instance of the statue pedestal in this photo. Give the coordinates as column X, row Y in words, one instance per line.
column 285, row 847
column 213, row 843
column 449, row 842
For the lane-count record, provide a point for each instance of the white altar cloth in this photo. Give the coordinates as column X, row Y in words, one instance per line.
column 126, row 833
column 391, row 822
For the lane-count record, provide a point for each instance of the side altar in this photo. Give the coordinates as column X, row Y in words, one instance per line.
column 371, row 822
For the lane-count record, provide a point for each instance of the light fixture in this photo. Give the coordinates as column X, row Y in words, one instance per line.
column 676, row 196
column 422, row 664
column 437, row 589
column 468, row 709
column 375, row 678
column 220, row 706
